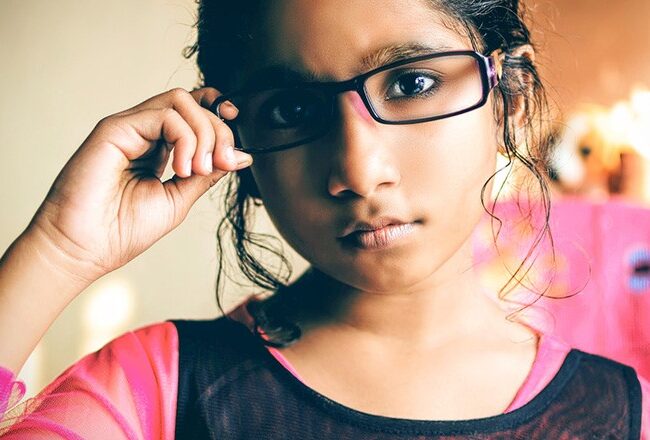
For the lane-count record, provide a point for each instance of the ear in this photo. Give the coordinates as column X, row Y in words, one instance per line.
column 522, row 82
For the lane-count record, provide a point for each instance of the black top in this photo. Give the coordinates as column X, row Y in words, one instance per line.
column 231, row 387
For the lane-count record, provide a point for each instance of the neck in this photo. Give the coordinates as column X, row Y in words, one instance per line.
column 448, row 305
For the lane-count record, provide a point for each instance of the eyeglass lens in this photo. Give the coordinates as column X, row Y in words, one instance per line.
column 426, row 89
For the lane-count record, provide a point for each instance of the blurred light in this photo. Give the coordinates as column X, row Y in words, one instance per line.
column 640, row 134
column 623, row 128
column 109, row 306
column 32, row 372
column 628, row 123
column 107, row 313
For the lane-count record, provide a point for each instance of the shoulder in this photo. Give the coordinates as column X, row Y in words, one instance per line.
column 233, row 330
column 645, row 417
column 154, row 345
column 138, row 370
column 162, row 340
column 156, row 341
column 635, row 387
column 215, row 345
column 608, row 376
column 152, row 349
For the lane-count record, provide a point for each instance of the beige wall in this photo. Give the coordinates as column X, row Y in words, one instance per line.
column 593, row 51
column 65, row 64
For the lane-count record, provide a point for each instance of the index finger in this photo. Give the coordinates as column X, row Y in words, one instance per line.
column 205, row 96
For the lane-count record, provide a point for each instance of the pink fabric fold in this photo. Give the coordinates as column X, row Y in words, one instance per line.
column 11, row 392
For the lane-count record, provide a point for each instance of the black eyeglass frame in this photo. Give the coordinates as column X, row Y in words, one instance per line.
column 490, row 71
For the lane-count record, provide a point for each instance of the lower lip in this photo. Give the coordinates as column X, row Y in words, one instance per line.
column 382, row 238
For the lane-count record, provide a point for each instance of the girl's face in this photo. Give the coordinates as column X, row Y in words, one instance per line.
column 426, row 176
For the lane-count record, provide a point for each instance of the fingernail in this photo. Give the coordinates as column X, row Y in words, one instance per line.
column 188, row 167
column 207, row 160
column 232, row 110
column 229, row 154
column 243, row 159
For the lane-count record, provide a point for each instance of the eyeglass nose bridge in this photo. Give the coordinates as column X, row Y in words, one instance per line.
column 357, row 84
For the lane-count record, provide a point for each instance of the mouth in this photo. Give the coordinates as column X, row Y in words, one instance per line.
column 381, row 233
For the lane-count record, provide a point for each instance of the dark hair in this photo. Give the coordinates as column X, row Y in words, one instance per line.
column 226, row 36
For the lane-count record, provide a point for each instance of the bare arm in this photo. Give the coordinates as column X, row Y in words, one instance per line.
column 37, row 281
column 108, row 205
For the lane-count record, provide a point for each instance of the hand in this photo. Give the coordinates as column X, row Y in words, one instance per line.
column 108, row 204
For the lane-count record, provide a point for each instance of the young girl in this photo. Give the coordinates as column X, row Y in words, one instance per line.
column 370, row 132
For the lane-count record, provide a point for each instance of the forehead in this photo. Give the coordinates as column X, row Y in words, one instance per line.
column 336, row 39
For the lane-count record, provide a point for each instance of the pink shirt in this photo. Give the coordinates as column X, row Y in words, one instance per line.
column 127, row 390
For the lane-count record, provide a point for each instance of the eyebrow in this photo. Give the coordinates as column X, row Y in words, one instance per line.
column 397, row 52
column 280, row 74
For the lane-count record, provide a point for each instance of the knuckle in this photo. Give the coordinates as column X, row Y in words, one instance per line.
column 103, row 122
column 178, row 93
column 223, row 131
column 205, row 129
column 208, row 138
column 193, row 139
column 168, row 112
column 108, row 123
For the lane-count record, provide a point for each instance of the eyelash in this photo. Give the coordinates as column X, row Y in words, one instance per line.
column 397, row 75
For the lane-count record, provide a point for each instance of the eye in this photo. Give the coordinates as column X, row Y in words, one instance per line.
column 412, row 85
column 289, row 110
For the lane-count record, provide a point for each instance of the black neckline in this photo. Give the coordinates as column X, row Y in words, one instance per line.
column 396, row 425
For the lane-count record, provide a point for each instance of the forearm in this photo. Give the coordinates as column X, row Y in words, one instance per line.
column 37, row 281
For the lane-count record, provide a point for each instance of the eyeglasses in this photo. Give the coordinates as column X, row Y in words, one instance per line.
column 410, row 91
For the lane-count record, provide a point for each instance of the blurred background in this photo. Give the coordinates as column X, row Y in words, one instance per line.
column 67, row 64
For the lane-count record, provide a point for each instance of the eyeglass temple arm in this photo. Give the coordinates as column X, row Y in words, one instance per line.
column 495, row 67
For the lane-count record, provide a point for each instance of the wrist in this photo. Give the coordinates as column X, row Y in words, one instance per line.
column 57, row 258
column 37, row 281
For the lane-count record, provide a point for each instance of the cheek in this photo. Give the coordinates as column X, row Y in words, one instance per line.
column 451, row 158
column 448, row 164
column 276, row 175
column 289, row 193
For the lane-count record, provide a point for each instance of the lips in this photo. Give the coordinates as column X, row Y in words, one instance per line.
column 378, row 223
column 377, row 234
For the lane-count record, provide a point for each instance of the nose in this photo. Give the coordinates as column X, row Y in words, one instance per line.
column 362, row 162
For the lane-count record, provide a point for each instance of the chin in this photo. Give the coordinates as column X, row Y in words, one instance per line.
column 402, row 276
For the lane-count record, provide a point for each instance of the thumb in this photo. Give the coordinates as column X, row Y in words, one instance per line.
column 185, row 191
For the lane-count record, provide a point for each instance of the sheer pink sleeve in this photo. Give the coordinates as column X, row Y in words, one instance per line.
column 126, row 390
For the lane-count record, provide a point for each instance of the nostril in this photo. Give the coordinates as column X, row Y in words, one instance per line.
column 346, row 194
